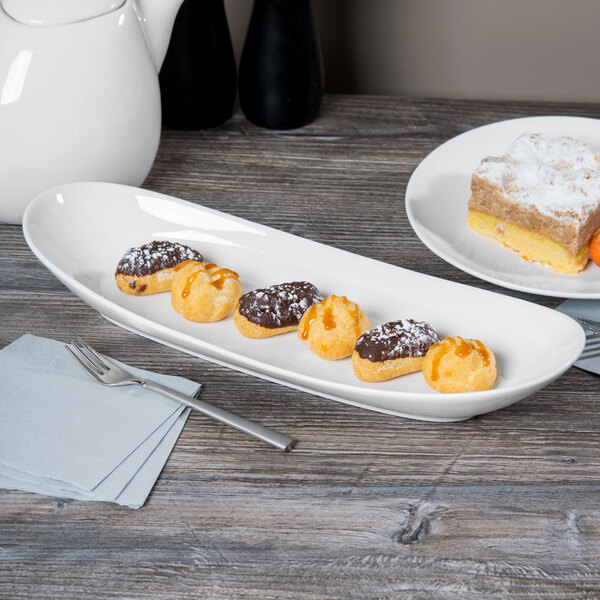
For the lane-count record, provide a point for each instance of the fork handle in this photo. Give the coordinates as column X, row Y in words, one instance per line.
column 278, row 440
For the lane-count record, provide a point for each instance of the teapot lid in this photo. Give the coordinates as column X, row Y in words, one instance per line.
column 57, row 12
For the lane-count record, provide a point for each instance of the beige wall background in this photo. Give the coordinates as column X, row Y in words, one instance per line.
column 488, row 49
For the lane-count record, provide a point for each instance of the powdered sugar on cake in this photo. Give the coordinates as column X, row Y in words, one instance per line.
column 559, row 176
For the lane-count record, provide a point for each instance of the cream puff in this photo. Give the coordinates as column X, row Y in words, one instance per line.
column 331, row 328
column 204, row 292
column 460, row 365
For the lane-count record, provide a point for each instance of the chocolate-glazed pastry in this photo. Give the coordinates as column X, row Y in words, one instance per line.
column 155, row 256
column 397, row 339
column 276, row 309
column 149, row 269
column 392, row 349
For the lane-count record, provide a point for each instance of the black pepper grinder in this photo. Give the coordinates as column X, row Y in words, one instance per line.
column 198, row 77
column 281, row 71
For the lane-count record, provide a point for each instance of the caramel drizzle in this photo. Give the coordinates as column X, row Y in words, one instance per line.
column 311, row 315
column 462, row 348
column 197, row 269
column 353, row 312
column 483, row 353
column 218, row 277
column 328, row 319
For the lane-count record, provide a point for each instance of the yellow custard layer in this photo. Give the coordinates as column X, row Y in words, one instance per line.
column 530, row 245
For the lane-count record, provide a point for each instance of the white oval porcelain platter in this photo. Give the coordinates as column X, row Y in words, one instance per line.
column 438, row 193
column 80, row 231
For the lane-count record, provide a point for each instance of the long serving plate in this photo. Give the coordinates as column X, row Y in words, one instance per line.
column 80, row 231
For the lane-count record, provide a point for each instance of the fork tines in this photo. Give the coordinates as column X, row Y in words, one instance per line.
column 94, row 359
column 590, row 325
column 592, row 338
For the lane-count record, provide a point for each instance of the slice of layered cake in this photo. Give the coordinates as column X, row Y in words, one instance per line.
column 542, row 199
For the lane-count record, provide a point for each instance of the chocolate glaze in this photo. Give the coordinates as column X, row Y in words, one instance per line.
column 155, row 256
column 279, row 305
column 397, row 339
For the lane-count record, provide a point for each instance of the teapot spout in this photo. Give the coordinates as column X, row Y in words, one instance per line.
column 156, row 18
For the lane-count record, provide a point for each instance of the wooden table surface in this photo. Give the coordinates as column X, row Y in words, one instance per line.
column 368, row 506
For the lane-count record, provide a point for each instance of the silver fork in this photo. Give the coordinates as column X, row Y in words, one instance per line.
column 592, row 338
column 106, row 372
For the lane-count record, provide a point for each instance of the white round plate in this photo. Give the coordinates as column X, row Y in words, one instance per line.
column 438, row 193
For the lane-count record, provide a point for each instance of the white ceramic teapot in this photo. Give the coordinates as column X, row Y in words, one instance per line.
column 79, row 94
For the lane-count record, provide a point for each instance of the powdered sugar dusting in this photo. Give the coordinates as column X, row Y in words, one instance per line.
column 279, row 305
column 396, row 339
column 559, row 176
column 155, row 256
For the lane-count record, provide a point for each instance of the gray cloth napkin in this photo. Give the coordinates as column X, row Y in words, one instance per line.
column 586, row 309
column 63, row 434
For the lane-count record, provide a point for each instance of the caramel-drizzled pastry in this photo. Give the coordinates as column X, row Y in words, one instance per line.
column 392, row 349
column 149, row 269
column 331, row 328
column 204, row 292
column 276, row 309
column 460, row 365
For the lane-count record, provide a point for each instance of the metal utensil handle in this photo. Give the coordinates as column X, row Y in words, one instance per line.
column 274, row 438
